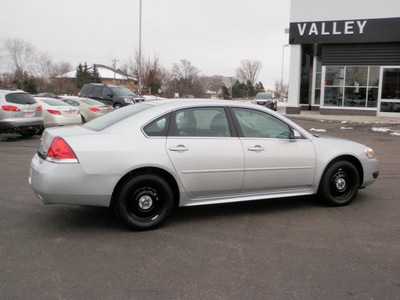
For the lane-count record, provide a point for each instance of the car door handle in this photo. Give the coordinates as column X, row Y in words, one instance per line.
column 256, row 148
column 179, row 148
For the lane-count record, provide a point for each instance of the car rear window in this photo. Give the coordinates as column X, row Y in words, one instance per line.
column 54, row 102
column 92, row 102
column 111, row 118
column 20, row 98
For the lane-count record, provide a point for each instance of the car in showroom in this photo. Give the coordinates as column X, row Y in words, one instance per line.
column 90, row 109
column 110, row 94
column 19, row 113
column 266, row 99
column 145, row 159
column 58, row 113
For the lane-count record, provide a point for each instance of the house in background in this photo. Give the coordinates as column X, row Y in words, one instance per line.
column 108, row 76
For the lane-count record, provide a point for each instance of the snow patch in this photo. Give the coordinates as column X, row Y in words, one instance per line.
column 319, row 130
column 349, row 128
column 395, row 133
column 380, row 129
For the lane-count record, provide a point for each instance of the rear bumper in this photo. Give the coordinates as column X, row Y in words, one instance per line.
column 19, row 123
column 69, row 184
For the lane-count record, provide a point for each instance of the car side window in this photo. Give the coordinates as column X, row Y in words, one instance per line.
column 96, row 92
column 202, row 122
column 258, row 124
column 107, row 93
column 158, row 127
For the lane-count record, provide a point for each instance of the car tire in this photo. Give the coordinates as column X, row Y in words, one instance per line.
column 339, row 184
column 83, row 120
column 117, row 105
column 144, row 202
column 27, row 133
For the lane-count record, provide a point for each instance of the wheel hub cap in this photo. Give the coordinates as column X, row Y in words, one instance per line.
column 341, row 184
column 145, row 202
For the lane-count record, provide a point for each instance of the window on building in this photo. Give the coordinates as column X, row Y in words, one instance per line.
column 351, row 86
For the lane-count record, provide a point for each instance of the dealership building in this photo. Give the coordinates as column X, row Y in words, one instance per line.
column 345, row 57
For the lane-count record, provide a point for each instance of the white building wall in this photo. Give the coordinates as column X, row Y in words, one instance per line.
column 326, row 10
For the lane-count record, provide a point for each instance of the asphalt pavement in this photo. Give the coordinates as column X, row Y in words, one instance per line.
column 287, row 248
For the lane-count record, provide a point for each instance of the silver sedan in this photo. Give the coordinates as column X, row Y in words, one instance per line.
column 147, row 158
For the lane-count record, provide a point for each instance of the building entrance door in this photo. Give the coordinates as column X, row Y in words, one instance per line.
column 389, row 92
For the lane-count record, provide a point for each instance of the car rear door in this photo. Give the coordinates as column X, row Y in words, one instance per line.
column 274, row 162
column 206, row 154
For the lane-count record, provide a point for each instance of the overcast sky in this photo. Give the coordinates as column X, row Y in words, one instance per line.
column 214, row 35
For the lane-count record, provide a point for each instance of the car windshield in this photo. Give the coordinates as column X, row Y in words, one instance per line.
column 264, row 96
column 122, row 91
column 92, row 102
column 54, row 102
column 20, row 98
column 111, row 118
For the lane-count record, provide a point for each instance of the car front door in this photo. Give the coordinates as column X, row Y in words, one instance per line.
column 274, row 161
column 206, row 154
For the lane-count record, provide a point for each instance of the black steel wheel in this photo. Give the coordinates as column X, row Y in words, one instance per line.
column 144, row 202
column 117, row 105
column 339, row 184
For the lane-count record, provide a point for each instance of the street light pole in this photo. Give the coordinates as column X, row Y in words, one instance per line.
column 283, row 57
column 140, row 47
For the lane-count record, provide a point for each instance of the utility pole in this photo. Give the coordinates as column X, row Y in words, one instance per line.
column 115, row 66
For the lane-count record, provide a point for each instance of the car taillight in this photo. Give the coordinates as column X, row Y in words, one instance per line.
column 54, row 112
column 39, row 108
column 10, row 108
column 94, row 109
column 61, row 152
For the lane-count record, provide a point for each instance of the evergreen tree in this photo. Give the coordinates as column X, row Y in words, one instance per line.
column 82, row 75
column 225, row 91
column 95, row 75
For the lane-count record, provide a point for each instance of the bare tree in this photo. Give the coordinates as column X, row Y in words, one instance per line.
column 151, row 72
column 248, row 71
column 44, row 69
column 185, row 79
column 19, row 52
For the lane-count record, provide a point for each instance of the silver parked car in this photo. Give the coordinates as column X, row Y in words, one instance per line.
column 266, row 99
column 144, row 159
column 58, row 113
column 90, row 109
column 20, row 112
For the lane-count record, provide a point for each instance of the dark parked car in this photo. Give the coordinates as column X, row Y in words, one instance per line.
column 266, row 99
column 20, row 112
column 114, row 95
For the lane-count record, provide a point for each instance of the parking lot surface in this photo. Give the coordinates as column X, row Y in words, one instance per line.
column 292, row 248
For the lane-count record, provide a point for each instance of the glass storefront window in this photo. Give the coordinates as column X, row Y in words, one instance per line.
column 373, row 76
column 355, row 96
column 333, row 96
column 372, row 97
column 391, row 84
column 334, row 76
column 356, row 76
column 360, row 86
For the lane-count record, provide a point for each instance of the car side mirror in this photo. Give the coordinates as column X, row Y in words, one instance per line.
column 296, row 135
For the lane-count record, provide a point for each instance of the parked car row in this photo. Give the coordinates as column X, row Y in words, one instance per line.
column 22, row 113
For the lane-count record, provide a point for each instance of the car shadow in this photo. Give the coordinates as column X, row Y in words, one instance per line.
column 81, row 219
column 202, row 213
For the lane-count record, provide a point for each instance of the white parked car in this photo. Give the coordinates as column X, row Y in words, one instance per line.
column 146, row 158
column 58, row 113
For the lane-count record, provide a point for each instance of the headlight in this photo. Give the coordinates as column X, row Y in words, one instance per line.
column 369, row 152
column 128, row 100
